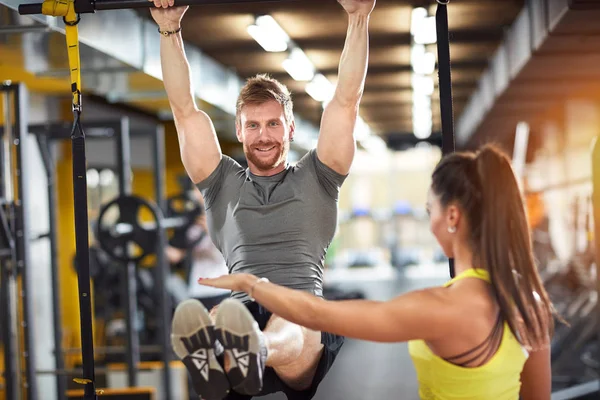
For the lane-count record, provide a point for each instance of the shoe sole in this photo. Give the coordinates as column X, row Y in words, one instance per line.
column 237, row 331
column 193, row 339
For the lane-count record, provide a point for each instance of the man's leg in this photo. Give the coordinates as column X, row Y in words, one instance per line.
column 293, row 352
column 254, row 339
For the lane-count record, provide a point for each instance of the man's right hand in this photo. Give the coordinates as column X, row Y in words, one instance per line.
column 166, row 16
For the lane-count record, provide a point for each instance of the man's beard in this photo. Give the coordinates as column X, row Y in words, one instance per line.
column 262, row 162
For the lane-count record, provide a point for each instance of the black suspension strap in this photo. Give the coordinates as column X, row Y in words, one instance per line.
column 445, row 85
column 66, row 9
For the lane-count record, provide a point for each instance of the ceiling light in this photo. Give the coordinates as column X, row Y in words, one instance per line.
column 320, row 88
column 417, row 15
column 422, row 84
column 422, row 114
column 421, row 100
column 299, row 66
column 422, row 27
column 422, row 128
column 422, row 62
column 268, row 34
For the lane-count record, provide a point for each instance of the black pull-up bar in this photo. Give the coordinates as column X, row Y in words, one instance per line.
column 91, row 6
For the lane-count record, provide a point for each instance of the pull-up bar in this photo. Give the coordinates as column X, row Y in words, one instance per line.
column 91, row 6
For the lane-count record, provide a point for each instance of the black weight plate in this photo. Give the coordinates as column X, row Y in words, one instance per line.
column 183, row 205
column 117, row 245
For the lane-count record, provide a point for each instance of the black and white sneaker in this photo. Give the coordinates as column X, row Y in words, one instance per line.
column 244, row 344
column 193, row 340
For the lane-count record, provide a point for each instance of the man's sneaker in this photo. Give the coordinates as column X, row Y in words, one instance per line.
column 193, row 340
column 244, row 344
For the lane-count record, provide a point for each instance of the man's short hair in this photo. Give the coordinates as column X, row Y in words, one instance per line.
column 261, row 89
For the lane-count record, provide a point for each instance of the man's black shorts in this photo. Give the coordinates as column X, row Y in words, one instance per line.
column 271, row 382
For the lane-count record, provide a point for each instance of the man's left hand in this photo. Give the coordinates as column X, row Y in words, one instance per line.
column 362, row 7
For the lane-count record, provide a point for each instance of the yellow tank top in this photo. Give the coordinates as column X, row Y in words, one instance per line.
column 498, row 379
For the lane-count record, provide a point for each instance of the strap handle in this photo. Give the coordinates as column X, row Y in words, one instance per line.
column 445, row 85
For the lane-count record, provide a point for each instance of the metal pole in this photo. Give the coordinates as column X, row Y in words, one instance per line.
column 45, row 151
column 22, row 238
column 7, row 281
column 130, row 282
column 89, row 6
column 162, row 270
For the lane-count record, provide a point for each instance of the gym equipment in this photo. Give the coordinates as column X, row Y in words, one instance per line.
column 119, row 130
column 445, row 85
column 14, row 242
column 124, row 394
column 82, row 7
column 117, row 237
column 574, row 289
column 183, row 206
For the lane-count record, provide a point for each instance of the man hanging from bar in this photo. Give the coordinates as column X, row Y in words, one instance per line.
column 272, row 219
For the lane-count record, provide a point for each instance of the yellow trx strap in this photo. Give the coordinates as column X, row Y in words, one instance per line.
column 66, row 9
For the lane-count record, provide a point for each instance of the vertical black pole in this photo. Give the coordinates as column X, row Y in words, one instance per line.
column 82, row 257
column 596, row 215
column 445, row 85
column 22, row 238
column 45, row 151
column 7, row 270
column 130, row 286
column 162, row 270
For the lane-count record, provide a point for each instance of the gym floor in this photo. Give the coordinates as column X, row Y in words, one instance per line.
column 366, row 370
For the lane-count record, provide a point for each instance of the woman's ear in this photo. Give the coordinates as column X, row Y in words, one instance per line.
column 453, row 215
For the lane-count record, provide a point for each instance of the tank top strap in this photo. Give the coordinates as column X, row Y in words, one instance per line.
column 470, row 273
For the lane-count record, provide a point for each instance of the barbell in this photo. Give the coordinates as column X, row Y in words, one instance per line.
column 123, row 235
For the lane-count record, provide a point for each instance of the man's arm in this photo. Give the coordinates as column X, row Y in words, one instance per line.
column 336, row 145
column 198, row 143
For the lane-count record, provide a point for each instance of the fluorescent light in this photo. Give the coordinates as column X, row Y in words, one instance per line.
column 422, row 128
column 422, row 84
column 299, row 66
column 422, row 27
column 423, row 63
column 422, row 114
column 417, row 15
column 267, row 33
column 421, row 100
column 320, row 88
column 425, row 31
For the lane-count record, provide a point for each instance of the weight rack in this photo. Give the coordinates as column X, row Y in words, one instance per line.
column 15, row 236
column 119, row 130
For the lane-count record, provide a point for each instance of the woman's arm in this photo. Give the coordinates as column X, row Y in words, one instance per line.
column 536, row 383
column 424, row 314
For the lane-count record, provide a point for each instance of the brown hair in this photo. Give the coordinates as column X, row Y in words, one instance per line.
column 262, row 88
column 486, row 190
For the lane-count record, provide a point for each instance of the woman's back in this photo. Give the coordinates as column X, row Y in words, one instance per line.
column 489, row 367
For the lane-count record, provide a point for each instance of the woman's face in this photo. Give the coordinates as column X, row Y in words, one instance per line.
column 438, row 223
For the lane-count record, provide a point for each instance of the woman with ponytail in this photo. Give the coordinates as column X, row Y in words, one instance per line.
column 485, row 334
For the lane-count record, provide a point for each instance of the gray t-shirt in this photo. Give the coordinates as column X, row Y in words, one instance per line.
column 279, row 226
